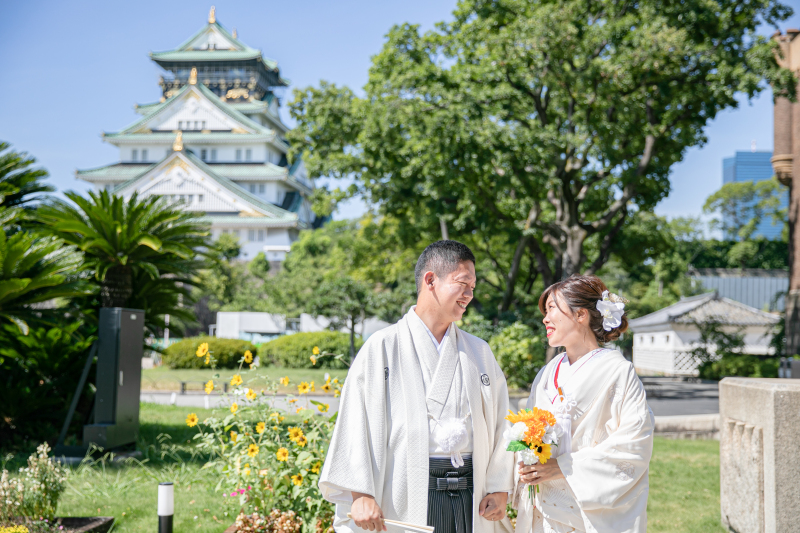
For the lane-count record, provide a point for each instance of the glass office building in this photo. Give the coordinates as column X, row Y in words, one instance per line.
column 754, row 166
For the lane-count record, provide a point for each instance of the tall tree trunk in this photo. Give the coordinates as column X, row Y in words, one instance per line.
column 573, row 257
column 117, row 287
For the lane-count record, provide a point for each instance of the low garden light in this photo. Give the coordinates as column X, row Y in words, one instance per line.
column 166, row 506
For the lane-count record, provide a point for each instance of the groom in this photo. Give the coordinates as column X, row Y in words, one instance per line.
column 418, row 437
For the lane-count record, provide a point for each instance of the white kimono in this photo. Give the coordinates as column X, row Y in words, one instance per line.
column 382, row 439
column 605, row 459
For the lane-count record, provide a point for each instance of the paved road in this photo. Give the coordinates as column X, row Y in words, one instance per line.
column 210, row 401
column 666, row 396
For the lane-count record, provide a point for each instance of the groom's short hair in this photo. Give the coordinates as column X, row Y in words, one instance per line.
column 441, row 258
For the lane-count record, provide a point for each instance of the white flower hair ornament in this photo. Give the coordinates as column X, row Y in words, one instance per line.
column 611, row 307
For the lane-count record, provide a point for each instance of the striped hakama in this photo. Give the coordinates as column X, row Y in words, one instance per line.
column 450, row 496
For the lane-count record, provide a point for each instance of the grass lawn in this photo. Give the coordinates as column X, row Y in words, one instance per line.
column 684, row 486
column 163, row 378
column 684, row 482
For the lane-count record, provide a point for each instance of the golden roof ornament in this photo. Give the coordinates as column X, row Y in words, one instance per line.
column 193, row 76
column 177, row 146
column 235, row 35
column 212, row 16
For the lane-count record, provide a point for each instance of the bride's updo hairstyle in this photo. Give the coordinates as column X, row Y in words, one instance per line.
column 583, row 292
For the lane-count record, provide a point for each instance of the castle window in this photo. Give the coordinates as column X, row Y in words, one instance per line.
column 260, row 235
column 180, row 124
column 203, row 126
column 260, row 188
column 238, row 154
column 252, row 188
column 134, row 155
column 213, row 154
column 203, row 154
column 248, row 155
column 190, row 199
column 200, row 198
column 144, row 156
column 251, row 235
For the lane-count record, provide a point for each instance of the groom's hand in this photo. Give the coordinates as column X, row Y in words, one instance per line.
column 366, row 513
column 493, row 506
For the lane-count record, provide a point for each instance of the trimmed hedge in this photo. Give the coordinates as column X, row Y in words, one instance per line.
column 226, row 351
column 294, row 351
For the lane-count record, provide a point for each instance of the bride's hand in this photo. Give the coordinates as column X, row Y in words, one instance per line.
column 539, row 473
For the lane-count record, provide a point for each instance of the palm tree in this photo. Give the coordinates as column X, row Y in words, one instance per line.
column 18, row 182
column 34, row 270
column 139, row 250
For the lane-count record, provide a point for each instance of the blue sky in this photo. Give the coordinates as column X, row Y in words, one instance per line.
column 74, row 69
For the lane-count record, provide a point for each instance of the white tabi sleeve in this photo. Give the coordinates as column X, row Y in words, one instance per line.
column 609, row 480
column 500, row 473
column 356, row 457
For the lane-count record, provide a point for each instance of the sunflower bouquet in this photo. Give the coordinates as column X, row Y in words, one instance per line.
column 533, row 434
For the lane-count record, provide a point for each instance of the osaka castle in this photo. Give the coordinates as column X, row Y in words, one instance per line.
column 215, row 144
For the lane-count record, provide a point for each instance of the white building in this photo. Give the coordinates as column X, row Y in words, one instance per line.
column 262, row 327
column 215, row 144
column 662, row 340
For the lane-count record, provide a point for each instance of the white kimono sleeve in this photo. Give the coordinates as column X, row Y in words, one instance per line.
column 500, row 472
column 609, row 480
column 356, row 457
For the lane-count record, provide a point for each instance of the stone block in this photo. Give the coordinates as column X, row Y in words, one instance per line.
column 759, row 460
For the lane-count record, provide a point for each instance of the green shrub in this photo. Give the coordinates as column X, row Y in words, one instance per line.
column 520, row 352
column 38, row 374
column 743, row 365
column 294, row 351
column 227, row 352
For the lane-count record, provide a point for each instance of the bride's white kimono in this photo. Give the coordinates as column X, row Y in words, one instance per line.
column 605, row 459
column 381, row 442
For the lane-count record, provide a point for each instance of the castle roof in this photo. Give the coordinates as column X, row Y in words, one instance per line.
column 708, row 307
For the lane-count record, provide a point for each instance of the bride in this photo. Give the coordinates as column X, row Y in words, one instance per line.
column 597, row 478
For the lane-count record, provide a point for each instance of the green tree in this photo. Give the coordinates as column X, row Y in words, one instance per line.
column 19, row 183
column 743, row 206
column 345, row 302
column 537, row 127
column 139, row 251
column 34, row 270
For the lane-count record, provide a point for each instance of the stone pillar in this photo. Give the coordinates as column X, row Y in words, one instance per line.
column 759, row 461
column 786, row 163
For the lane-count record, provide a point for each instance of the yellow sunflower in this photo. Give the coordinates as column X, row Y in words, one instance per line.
column 302, row 441
column 260, row 427
column 236, row 380
column 282, row 454
column 246, row 469
column 202, row 350
column 234, row 407
column 303, row 388
column 542, row 451
column 293, row 400
column 315, row 350
column 252, row 450
column 285, row 381
column 297, row 479
column 311, row 386
column 209, row 386
column 251, row 394
column 335, row 381
column 295, row 433
column 191, row 420
column 317, row 466
column 326, row 388
column 323, row 408
column 248, row 357
column 234, row 436
column 208, row 359
column 336, row 393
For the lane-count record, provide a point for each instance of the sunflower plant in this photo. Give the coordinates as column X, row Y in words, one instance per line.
column 268, row 450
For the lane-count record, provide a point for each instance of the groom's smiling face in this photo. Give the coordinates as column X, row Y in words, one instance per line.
column 454, row 292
